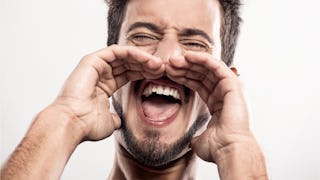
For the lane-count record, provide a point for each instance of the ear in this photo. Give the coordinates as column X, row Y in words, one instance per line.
column 234, row 70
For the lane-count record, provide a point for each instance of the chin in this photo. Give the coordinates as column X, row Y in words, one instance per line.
column 160, row 119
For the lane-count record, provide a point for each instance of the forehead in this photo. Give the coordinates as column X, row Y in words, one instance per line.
column 178, row 14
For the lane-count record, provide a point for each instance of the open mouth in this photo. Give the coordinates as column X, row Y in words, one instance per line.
column 160, row 101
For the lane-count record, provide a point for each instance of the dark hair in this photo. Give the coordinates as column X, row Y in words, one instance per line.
column 229, row 29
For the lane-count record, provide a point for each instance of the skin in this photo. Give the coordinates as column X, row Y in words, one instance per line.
column 81, row 111
column 167, row 44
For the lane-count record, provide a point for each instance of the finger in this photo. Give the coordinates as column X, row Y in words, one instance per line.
column 204, row 85
column 179, row 67
column 208, row 80
column 185, row 72
column 116, row 63
column 194, row 141
column 217, row 107
column 135, row 67
column 220, row 69
column 149, row 61
column 181, row 63
column 125, row 67
column 215, row 111
column 148, row 75
column 189, row 71
column 194, row 85
column 119, row 70
column 130, row 55
column 112, row 53
column 124, row 64
column 121, row 62
column 123, row 78
column 107, row 86
column 226, row 86
column 224, row 79
column 201, row 148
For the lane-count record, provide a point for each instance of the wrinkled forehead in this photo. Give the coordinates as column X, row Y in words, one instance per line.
column 201, row 14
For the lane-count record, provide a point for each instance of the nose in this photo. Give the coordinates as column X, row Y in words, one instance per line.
column 168, row 48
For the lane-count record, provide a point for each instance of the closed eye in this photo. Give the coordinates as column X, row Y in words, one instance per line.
column 195, row 45
column 142, row 39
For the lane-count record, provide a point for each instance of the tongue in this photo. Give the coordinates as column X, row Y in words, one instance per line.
column 159, row 108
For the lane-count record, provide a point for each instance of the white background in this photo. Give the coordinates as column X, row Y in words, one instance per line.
column 41, row 42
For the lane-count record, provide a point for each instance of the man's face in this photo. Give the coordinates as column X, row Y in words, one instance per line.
column 160, row 116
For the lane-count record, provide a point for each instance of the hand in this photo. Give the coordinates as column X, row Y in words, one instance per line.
column 98, row 75
column 220, row 88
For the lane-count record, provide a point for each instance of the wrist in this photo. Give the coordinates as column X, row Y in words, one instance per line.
column 241, row 160
column 60, row 122
column 47, row 146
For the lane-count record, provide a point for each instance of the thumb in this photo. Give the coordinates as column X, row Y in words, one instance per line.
column 194, row 141
column 200, row 145
column 116, row 120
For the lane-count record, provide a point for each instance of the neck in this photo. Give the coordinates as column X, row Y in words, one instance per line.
column 126, row 167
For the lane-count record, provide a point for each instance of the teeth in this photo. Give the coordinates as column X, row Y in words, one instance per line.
column 166, row 91
column 161, row 90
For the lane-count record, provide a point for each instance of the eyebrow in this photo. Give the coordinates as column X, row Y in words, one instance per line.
column 159, row 30
column 150, row 26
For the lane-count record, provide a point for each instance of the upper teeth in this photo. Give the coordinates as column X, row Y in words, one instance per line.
column 161, row 90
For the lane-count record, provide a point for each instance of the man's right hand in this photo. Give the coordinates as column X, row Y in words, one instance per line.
column 98, row 75
column 80, row 112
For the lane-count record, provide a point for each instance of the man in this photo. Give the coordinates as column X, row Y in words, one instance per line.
column 174, row 98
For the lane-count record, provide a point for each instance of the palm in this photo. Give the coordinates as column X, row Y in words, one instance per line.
column 221, row 90
column 227, row 124
column 96, row 78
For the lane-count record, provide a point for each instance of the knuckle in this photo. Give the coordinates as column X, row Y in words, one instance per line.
column 113, row 46
column 89, row 59
column 230, row 84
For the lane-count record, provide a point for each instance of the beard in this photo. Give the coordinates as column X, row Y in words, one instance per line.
column 150, row 151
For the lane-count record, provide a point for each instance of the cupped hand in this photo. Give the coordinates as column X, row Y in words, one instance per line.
column 221, row 90
column 98, row 75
